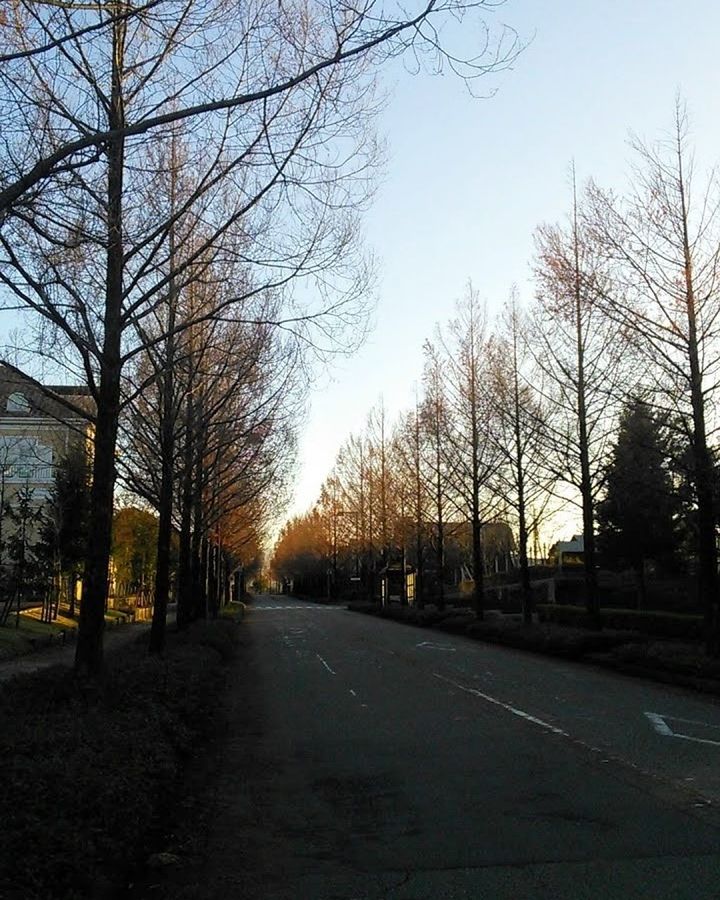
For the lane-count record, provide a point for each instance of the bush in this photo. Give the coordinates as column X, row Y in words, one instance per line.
column 364, row 606
column 661, row 624
column 570, row 643
column 677, row 659
column 574, row 616
column 88, row 767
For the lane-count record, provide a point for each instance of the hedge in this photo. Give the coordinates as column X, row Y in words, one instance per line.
column 650, row 622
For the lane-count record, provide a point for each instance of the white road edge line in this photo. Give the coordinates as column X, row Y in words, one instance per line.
column 687, row 737
column 331, row 671
column 693, row 722
column 513, row 709
column 604, row 752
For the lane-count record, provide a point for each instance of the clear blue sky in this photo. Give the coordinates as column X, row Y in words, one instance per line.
column 468, row 180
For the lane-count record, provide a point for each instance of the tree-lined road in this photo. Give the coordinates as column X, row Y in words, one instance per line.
column 374, row 760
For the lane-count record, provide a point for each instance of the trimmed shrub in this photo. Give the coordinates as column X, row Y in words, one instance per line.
column 679, row 626
column 677, row 659
column 558, row 614
column 570, row 643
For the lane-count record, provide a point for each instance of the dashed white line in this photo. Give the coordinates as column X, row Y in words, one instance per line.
column 331, row 671
column 513, row 709
column 275, row 608
column 607, row 757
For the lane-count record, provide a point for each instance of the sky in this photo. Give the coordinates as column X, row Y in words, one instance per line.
column 468, row 180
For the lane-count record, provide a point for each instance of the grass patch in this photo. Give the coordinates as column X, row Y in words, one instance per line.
column 87, row 768
column 32, row 633
column 234, row 611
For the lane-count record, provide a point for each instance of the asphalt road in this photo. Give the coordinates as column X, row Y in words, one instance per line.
column 368, row 759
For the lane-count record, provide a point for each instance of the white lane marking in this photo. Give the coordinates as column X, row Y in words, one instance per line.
column 266, row 608
column 660, row 725
column 431, row 646
column 693, row 722
column 606, row 755
column 513, row 709
column 273, row 608
column 325, row 664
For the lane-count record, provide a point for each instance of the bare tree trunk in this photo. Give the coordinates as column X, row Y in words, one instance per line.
column 185, row 555
column 198, row 567
column 707, row 548
column 526, row 589
column 477, row 549
column 523, row 536
column 440, row 540
column 478, row 564
column 167, row 456
column 89, row 649
column 164, row 536
column 586, row 487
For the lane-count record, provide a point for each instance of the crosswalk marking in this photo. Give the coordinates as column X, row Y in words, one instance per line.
column 295, row 606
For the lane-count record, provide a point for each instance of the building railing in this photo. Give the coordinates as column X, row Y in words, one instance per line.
column 35, row 474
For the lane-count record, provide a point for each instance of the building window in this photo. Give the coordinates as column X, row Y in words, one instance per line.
column 26, row 459
column 17, row 403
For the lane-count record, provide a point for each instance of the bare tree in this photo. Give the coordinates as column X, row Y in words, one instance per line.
column 85, row 88
column 435, row 425
column 584, row 362
column 522, row 478
column 410, row 471
column 473, row 454
column 662, row 244
column 312, row 41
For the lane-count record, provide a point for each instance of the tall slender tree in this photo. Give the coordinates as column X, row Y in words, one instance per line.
column 473, row 455
column 585, row 364
column 522, row 478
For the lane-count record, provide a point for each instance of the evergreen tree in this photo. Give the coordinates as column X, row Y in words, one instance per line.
column 23, row 517
column 63, row 533
column 638, row 517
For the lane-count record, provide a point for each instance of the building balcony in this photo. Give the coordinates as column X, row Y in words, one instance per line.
column 19, row 473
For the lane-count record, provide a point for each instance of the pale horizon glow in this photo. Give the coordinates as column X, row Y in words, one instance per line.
column 468, row 180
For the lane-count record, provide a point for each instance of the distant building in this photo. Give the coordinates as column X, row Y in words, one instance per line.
column 568, row 554
column 496, row 538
